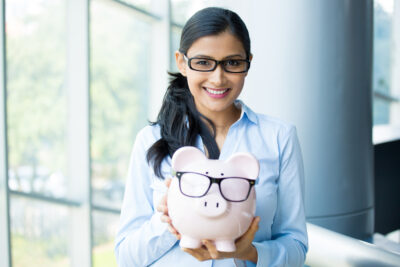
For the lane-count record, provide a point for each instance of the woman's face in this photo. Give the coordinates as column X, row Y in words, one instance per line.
column 214, row 91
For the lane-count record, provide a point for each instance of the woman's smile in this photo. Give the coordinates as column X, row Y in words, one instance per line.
column 217, row 92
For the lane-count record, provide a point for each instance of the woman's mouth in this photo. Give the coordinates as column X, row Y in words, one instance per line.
column 216, row 93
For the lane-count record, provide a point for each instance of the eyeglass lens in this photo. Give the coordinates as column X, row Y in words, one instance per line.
column 196, row 185
column 231, row 65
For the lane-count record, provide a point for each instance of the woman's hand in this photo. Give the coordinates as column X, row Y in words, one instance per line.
column 244, row 247
column 163, row 207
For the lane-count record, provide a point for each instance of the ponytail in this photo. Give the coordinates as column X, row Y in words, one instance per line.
column 180, row 125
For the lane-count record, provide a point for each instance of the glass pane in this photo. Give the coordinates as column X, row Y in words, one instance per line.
column 36, row 99
column 381, row 110
column 181, row 10
column 120, row 75
column 39, row 233
column 105, row 227
column 143, row 4
column 383, row 12
column 175, row 40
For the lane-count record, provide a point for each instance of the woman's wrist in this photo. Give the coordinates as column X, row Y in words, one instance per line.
column 251, row 255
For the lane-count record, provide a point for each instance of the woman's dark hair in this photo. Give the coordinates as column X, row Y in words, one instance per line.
column 179, row 120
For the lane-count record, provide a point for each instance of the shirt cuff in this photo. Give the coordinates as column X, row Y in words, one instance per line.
column 263, row 254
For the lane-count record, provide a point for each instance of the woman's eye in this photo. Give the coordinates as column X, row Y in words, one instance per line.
column 202, row 62
column 233, row 62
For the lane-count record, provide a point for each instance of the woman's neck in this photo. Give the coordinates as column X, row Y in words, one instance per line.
column 223, row 120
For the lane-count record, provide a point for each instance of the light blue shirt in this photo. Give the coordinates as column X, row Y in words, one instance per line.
column 281, row 240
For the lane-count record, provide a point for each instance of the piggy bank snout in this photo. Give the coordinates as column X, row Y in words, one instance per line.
column 211, row 205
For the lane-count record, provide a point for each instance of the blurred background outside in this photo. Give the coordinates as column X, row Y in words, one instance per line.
column 130, row 44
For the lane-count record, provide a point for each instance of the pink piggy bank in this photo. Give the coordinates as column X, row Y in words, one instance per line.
column 212, row 199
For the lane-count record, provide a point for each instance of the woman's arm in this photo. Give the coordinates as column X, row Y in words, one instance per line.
column 289, row 243
column 142, row 237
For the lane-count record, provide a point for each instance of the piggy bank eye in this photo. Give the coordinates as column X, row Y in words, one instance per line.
column 222, row 174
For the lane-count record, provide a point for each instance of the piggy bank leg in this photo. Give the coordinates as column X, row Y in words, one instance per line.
column 188, row 242
column 225, row 245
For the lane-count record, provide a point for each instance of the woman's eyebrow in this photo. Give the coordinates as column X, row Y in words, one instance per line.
column 230, row 56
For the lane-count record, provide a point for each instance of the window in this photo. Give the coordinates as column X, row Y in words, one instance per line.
column 77, row 94
column 385, row 55
column 36, row 128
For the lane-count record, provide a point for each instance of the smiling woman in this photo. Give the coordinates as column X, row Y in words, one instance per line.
column 201, row 109
column 214, row 89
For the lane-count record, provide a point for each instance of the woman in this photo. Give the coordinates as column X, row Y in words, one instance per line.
column 201, row 109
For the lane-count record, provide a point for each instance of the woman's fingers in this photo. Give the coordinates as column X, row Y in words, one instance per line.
column 165, row 218
column 250, row 233
column 163, row 208
column 212, row 250
column 174, row 231
column 243, row 246
column 162, row 205
column 168, row 182
column 254, row 225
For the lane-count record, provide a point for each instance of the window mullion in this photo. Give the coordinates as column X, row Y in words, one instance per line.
column 5, row 253
column 77, row 82
column 160, row 57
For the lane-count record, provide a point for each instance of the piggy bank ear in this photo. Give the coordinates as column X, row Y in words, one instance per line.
column 247, row 163
column 186, row 155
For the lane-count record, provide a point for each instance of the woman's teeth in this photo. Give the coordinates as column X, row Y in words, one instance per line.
column 216, row 92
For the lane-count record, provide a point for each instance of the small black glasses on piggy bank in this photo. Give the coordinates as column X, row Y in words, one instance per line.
column 234, row 189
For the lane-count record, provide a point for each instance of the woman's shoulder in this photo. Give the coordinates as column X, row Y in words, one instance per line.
column 267, row 122
column 148, row 135
column 274, row 122
column 151, row 129
column 276, row 128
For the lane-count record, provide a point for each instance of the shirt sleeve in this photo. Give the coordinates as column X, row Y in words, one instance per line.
column 289, row 243
column 142, row 237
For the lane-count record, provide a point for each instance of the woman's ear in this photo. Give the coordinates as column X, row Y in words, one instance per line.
column 250, row 58
column 180, row 62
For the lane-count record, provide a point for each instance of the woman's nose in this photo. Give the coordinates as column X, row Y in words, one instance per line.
column 217, row 77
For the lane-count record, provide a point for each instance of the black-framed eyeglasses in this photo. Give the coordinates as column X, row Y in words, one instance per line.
column 208, row 64
column 234, row 189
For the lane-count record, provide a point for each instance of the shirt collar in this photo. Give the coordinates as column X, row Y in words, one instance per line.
column 246, row 112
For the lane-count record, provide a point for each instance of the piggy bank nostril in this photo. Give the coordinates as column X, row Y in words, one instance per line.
column 217, row 204
column 205, row 204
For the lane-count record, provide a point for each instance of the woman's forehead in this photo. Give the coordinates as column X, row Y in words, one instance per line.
column 217, row 46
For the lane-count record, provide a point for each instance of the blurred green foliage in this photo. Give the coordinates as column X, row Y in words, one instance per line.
column 35, row 90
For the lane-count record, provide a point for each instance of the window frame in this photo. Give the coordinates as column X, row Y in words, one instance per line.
column 78, row 88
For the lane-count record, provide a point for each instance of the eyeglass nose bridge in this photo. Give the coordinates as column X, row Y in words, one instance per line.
column 214, row 181
column 219, row 62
